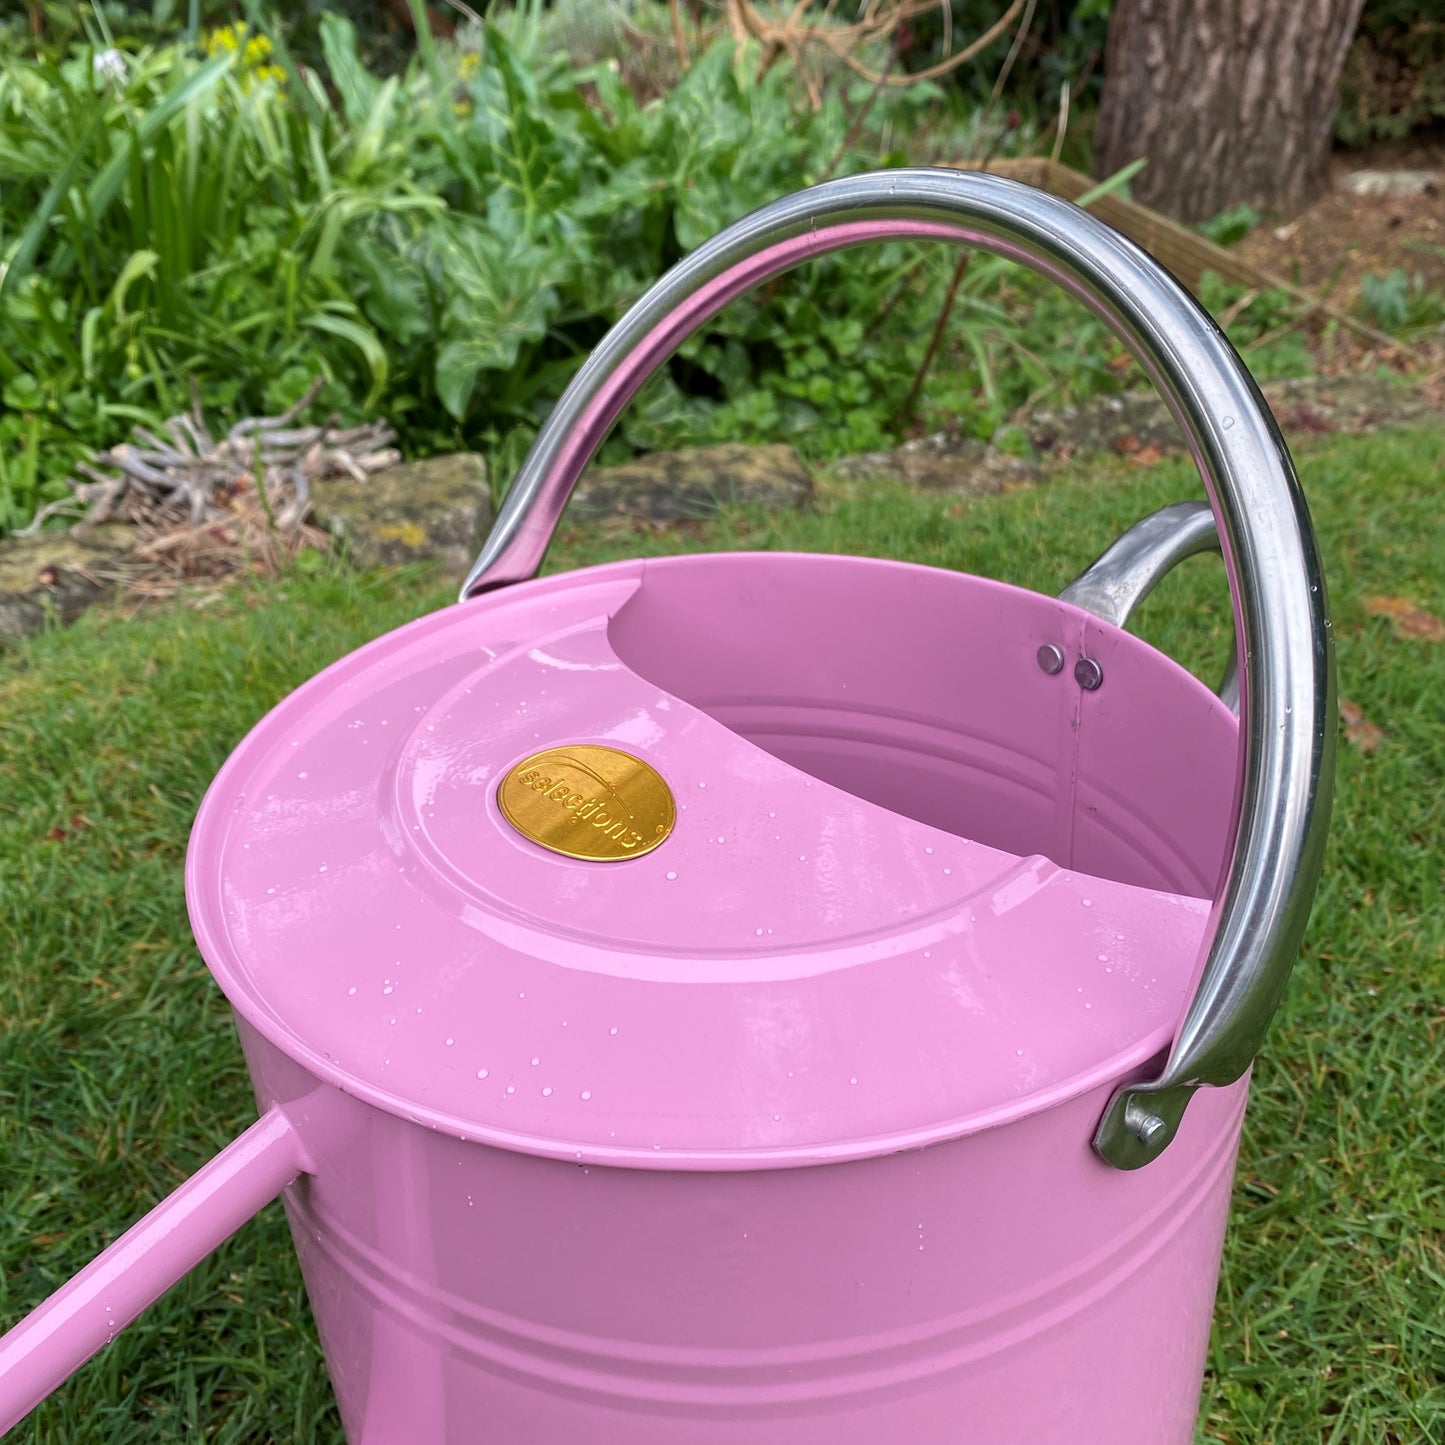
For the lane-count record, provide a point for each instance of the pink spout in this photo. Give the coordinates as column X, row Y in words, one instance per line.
column 54, row 1340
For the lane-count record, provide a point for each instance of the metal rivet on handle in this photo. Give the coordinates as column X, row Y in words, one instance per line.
column 1088, row 674
column 1051, row 658
column 1149, row 1128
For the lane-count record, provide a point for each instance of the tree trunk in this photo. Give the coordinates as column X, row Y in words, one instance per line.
column 1232, row 101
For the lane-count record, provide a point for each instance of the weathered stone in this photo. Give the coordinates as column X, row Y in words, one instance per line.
column 439, row 508
column 1393, row 183
column 55, row 576
column 943, row 463
column 1307, row 405
column 693, row 483
column 1303, row 406
column 1133, row 421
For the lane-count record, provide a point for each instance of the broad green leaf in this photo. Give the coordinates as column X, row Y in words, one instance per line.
column 142, row 263
column 356, row 85
column 366, row 342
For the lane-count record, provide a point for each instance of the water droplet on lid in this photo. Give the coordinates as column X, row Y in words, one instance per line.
column 450, row 1042
column 301, row 775
column 322, row 868
column 613, row 1030
column 671, row 877
column 947, row 871
column 547, row 1092
column 772, row 815
column 854, row 1079
column 481, row 1073
column 1087, row 902
column 1019, row 1052
column 535, row 1062
column 758, row 932
column 586, row 1094
column 777, row 1118
column 511, row 1088
column 701, row 785
column 928, row 850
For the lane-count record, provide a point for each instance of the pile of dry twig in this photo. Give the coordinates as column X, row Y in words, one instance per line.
column 206, row 507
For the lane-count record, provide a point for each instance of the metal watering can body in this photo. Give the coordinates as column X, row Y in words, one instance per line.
column 758, row 996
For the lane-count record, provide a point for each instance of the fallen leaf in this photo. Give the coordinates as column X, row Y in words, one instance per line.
column 1360, row 732
column 1409, row 620
column 1147, row 455
column 1127, row 445
column 1307, row 419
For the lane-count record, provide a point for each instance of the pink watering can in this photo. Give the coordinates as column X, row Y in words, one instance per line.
column 772, row 998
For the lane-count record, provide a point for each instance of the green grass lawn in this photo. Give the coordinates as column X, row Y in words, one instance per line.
column 120, row 1074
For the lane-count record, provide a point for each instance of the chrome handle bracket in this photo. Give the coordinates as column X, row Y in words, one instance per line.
column 1115, row 583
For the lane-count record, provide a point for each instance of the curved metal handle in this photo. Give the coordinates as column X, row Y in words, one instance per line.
column 1122, row 576
column 1287, row 700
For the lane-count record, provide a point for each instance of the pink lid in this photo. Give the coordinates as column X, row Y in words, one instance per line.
column 796, row 972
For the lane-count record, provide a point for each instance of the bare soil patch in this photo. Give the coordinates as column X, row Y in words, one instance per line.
column 1344, row 236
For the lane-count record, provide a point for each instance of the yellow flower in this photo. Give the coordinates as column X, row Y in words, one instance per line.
column 254, row 52
column 226, row 38
column 471, row 63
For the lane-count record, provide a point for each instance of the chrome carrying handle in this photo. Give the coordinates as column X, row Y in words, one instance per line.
column 1122, row 576
column 1287, row 689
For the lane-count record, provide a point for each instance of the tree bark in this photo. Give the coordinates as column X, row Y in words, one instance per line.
column 1231, row 101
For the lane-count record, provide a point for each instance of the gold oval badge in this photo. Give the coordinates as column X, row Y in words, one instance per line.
column 588, row 802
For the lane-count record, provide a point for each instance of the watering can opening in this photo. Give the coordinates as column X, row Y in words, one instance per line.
column 921, row 691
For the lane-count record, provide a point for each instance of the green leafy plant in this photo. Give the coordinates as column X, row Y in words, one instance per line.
column 447, row 244
column 1232, row 225
column 1402, row 303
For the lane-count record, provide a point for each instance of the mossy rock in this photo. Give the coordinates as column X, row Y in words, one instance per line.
column 692, row 484
column 55, row 576
column 438, row 509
